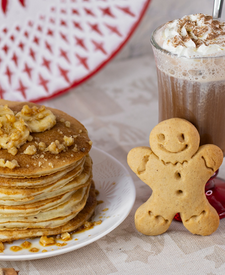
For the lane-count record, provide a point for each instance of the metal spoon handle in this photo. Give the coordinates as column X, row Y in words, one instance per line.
column 217, row 9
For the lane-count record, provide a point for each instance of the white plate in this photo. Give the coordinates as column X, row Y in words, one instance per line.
column 117, row 192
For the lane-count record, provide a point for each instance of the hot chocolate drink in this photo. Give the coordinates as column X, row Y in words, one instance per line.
column 190, row 59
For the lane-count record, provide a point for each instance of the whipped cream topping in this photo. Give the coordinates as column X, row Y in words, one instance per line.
column 192, row 36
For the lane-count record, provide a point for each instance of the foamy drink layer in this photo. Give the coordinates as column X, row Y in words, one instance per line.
column 194, row 48
column 193, row 36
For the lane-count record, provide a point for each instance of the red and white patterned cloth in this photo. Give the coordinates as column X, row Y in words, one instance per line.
column 49, row 46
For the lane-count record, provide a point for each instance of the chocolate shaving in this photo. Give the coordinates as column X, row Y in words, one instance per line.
column 202, row 30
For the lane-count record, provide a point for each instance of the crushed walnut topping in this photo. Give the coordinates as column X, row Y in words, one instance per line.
column 67, row 123
column 30, row 150
column 45, row 241
column 65, row 236
column 9, row 164
column 75, row 149
column 13, row 131
column 42, row 146
column 30, row 138
column 68, row 141
column 13, row 151
column 55, row 147
column 50, row 164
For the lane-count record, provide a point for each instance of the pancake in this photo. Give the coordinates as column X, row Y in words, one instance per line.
column 71, row 181
column 84, row 215
column 38, row 182
column 46, row 185
column 50, row 218
column 44, row 162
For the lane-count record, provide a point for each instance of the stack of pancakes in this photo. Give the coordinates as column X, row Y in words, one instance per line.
column 47, row 192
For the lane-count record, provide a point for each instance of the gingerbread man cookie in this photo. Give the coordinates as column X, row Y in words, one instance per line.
column 176, row 169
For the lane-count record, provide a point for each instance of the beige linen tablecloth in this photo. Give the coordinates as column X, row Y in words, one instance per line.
column 118, row 106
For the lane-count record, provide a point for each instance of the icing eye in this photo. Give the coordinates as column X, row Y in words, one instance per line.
column 161, row 137
column 181, row 138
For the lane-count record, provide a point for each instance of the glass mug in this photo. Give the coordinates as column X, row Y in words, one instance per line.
column 194, row 89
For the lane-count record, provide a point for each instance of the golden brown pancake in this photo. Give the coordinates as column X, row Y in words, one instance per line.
column 84, row 215
column 30, row 183
column 71, row 181
column 44, row 162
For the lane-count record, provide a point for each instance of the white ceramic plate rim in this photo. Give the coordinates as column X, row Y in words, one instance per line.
column 128, row 202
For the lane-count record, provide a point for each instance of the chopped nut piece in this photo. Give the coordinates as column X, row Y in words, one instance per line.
column 87, row 224
column 65, row 236
column 11, row 118
column 75, row 148
column 1, row 247
column 45, row 241
column 80, row 131
column 62, row 120
column 90, row 142
column 13, row 151
column 60, row 131
column 50, row 164
column 30, row 150
column 14, row 132
column 9, row 164
column 42, row 146
column 30, row 138
column 67, row 123
column 68, row 141
column 55, row 147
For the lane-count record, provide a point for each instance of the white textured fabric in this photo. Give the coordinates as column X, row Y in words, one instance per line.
column 119, row 108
